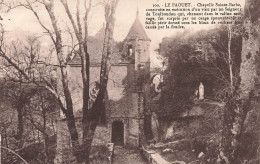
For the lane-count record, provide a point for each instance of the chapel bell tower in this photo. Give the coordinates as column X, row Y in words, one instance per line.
column 136, row 51
column 137, row 44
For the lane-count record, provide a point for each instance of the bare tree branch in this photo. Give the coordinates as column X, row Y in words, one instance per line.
column 76, row 29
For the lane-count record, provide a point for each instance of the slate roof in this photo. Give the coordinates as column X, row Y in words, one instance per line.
column 137, row 30
column 95, row 44
column 95, row 47
column 101, row 33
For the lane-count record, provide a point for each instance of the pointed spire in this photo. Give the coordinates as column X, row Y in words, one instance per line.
column 101, row 33
column 137, row 9
column 137, row 13
column 137, row 30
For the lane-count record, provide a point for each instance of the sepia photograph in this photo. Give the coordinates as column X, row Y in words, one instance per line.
column 129, row 82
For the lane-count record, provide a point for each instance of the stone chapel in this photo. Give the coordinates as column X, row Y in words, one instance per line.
column 128, row 91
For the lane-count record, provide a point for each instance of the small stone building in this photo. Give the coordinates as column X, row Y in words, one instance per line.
column 127, row 100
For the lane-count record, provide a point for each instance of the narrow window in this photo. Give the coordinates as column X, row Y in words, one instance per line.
column 130, row 50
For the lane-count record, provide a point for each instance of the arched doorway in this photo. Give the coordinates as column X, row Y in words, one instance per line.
column 118, row 133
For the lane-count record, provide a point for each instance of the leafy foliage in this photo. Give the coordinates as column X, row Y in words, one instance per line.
column 196, row 57
column 252, row 10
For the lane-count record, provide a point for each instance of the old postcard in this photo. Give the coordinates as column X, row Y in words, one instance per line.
column 129, row 82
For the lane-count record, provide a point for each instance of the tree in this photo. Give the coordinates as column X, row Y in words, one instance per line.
column 15, row 89
column 21, row 93
column 41, row 113
column 80, row 29
column 215, row 56
column 203, row 56
column 245, row 95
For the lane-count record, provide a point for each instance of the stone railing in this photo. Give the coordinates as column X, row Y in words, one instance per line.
column 158, row 159
column 153, row 157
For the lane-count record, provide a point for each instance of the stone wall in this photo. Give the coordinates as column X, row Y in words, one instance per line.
column 102, row 135
column 115, row 86
column 153, row 157
column 202, row 118
column 116, row 102
column 122, row 103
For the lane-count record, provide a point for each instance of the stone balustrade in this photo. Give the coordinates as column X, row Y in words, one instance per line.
column 153, row 157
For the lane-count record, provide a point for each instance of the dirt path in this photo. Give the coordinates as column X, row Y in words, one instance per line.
column 124, row 155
